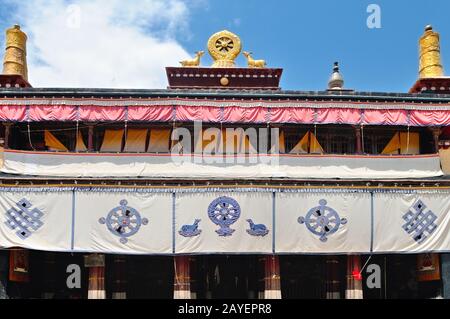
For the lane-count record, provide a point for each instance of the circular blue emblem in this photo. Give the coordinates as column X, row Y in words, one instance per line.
column 224, row 212
column 123, row 221
column 322, row 220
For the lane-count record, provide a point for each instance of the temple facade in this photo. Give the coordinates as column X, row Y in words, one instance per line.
column 224, row 185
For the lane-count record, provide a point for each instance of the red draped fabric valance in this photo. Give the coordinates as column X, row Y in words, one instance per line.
column 214, row 111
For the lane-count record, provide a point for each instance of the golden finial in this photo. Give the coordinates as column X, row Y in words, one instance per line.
column 224, row 47
column 15, row 60
column 430, row 55
column 252, row 63
column 193, row 62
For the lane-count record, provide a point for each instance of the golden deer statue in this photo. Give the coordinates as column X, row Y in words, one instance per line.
column 252, row 63
column 193, row 62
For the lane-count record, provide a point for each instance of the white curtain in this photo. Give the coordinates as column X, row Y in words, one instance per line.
column 253, row 206
column 411, row 222
column 40, row 221
column 167, row 166
column 156, row 222
column 153, row 237
column 352, row 233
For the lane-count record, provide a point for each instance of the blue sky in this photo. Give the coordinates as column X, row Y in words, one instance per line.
column 303, row 37
column 306, row 37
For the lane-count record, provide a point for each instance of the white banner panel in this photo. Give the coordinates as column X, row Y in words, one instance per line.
column 40, row 220
column 224, row 223
column 139, row 223
column 323, row 222
column 215, row 167
column 411, row 222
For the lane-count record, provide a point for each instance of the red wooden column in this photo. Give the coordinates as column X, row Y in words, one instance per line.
column 358, row 137
column 119, row 289
column 354, row 278
column 90, row 137
column 7, row 134
column 332, row 280
column 182, row 280
column 4, row 271
column 272, row 278
column 96, row 288
column 49, row 281
column 436, row 131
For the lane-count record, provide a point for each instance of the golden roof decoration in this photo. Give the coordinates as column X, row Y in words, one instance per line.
column 15, row 58
column 430, row 55
column 252, row 63
column 195, row 62
column 224, row 47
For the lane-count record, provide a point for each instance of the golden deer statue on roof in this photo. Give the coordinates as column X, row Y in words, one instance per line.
column 252, row 63
column 193, row 62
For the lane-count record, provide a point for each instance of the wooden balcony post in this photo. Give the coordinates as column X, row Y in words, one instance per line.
column 91, row 138
column 7, row 134
column 436, row 131
column 4, row 267
column 358, row 143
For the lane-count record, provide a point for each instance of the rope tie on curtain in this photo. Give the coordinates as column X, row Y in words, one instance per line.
column 29, row 137
column 76, row 137
column 171, row 142
column 315, row 137
column 177, row 280
column 362, row 138
column 126, row 130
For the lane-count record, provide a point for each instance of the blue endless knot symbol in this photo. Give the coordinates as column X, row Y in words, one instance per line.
column 24, row 219
column 322, row 220
column 224, row 212
column 123, row 221
column 419, row 224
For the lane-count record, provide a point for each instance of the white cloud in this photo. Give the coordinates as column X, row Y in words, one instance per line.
column 102, row 43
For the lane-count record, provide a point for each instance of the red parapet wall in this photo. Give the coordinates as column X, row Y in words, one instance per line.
column 13, row 81
column 432, row 85
column 223, row 78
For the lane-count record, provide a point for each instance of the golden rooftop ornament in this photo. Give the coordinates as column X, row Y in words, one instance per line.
column 252, row 63
column 195, row 62
column 224, row 47
column 15, row 60
column 430, row 55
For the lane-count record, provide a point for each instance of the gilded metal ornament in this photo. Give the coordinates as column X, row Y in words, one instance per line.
column 195, row 62
column 430, row 55
column 15, row 59
column 252, row 63
column 224, row 47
